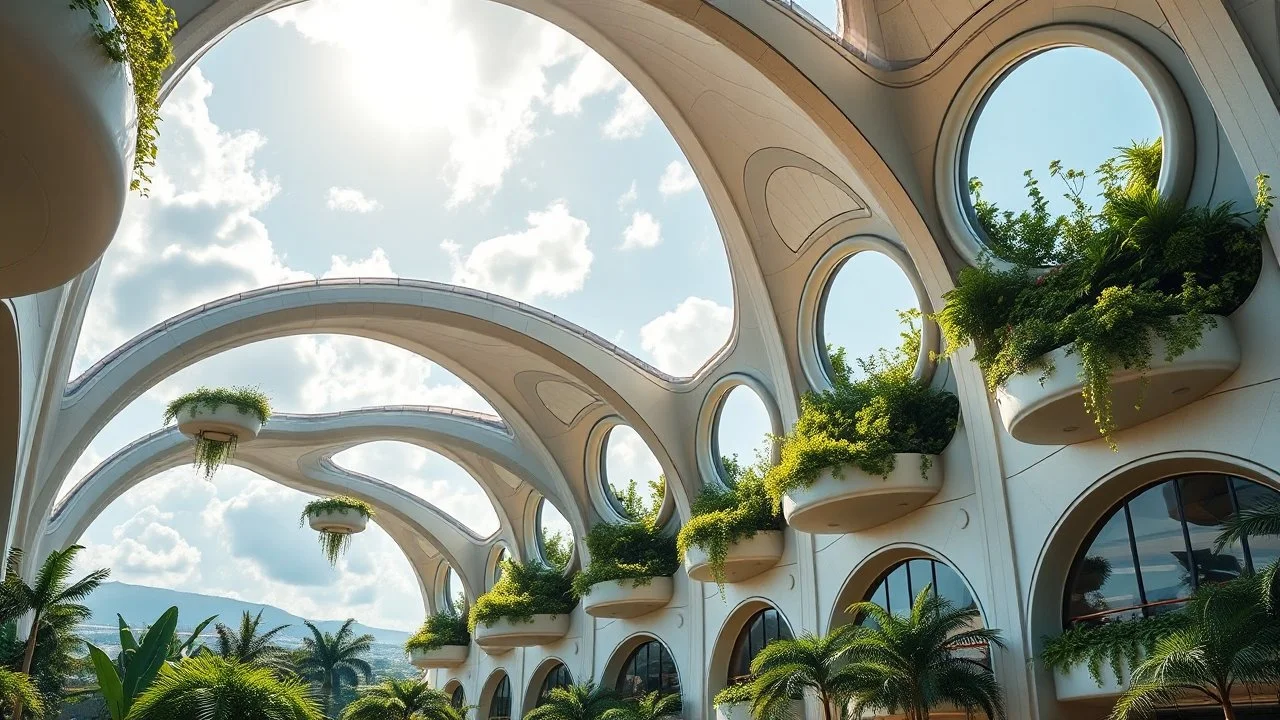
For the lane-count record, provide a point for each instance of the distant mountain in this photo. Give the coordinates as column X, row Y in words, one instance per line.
column 140, row 605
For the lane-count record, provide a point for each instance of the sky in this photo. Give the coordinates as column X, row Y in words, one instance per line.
column 310, row 143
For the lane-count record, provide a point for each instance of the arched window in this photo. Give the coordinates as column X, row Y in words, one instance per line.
column 458, row 698
column 898, row 586
column 500, row 705
column 559, row 677
column 649, row 668
column 763, row 628
column 1151, row 551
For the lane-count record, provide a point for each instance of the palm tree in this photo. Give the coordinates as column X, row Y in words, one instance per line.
column 248, row 645
column 914, row 663
column 654, row 706
column 1223, row 637
column 52, row 595
column 334, row 660
column 17, row 690
column 584, row 701
column 213, row 687
column 787, row 669
column 402, row 700
column 1259, row 519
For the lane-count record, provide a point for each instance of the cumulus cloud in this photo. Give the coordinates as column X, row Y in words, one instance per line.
column 145, row 548
column 630, row 117
column 626, row 199
column 348, row 199
column 644, row 232
column 376, row 265
column 592, row 75
column 681, row 340
column 548, row 259
column 677, row 178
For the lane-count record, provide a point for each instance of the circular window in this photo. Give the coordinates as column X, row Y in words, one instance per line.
column 631, row 473
column 742, row 430
column 455, row 593
column 862, row 310
column 555, row 537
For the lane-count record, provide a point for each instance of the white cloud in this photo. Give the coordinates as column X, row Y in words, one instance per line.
column 549, row 259
column 677, row 178
column 644, row 232
column 145, row 548
column 630, row 117
column 626, row 199
column 682, row 339
column 376, row 265
column 348, row 199
column 592, row 75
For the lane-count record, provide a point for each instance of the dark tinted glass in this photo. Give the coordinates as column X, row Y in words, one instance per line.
column 1104, row 579
column 1162, row 548
column 647, row 669
column 500, row 706
column 559, row 677
column 763, row 628
column 458, row 698
column 897, row 589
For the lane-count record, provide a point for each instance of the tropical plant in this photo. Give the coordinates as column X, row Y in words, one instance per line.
column 59, row 656
column 866, row 422
column 915, row 663
column 214, row 687
column 402, row 700
column 524, row 590
column 123, row 680
column 448, row 627
column 335, row 543
column 635, row 550
column 213, row 452
column 143, row 37
column 722, row 516
column 335, row 660
column 653, row 706
column 1114, row 645
column 557, row 547
column 786, row 670
column 1143, row 267
column 249, row 646
column 52, row 597
column 18, row 691
column 583, row 701
column 1256, row 520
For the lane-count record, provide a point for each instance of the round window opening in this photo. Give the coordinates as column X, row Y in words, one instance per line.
column 1071, row 108
column 742, row 432
column 555, row 537
column 455, row 593
column 501, row 558
column 632, row 475
column 868, row 304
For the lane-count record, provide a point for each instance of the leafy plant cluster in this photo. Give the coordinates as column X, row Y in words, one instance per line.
column 589, row 701
column 334, row 544
column 443, row 628
column 1104, row 284
column 865, row 422
column 636, row 507
column 557, row 548
column 734, row 693
column 1115, row 645
column 143, row 37
column 524, row 590
column 212, row 453
column 636, row 550
column 722, row 516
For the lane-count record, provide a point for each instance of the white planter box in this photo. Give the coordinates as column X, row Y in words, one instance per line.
column 622, row 599
column 66, row 144
column 1052, row 412
column 343, row 522
column 734, row 711
column 846, row 499
column 445, row 656
column 745, row 559
column 1076, row 684
column 219, row 423
column 505, row 634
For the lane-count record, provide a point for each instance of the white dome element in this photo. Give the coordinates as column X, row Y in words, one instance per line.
column 505, row 634
column 218, row 423
column 66, row 144
column 347, row 521
column 625, row 599
column 846, row 499
column 445, row 656
column 745, row 559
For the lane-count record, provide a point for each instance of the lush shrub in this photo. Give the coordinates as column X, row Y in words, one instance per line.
column 558, row 549
column 722, row 516
column 1116, row 644
column 524, row 590
column 1142, row 267
column 864, row 423
column 334, row 544
column 443, row 628
column 636, row 550
column 735, row 693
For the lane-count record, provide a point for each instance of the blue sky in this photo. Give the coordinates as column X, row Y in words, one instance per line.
column 310, row 143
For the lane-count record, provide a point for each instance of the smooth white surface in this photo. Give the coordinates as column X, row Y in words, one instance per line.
column 734, row 711
column 623, row 599
column 195, row 420
column 343, row 522
column 442, row 657
column 846, row 499
column 1076, row 683
column 744, row 560
column 505, row 634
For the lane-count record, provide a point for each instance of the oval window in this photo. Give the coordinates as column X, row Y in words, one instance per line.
column 742, row 427
column 861, row 313
column 555, row 537
column 632, row 474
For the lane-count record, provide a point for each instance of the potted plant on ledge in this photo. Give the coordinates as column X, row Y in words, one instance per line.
column 734, row 532
column 218, row 419
column 529, row 605
column 866, row 451
column 441, row 642
column 336, row 519
column 630, row 572
column 734, row 702
column 1098, row 321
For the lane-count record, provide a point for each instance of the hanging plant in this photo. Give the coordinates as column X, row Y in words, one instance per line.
column 635, row 550
column 217, row 419
column 721, row 517
column 336, row 519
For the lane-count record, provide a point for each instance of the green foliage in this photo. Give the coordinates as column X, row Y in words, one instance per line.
column 17, row 690
column 1254, row 521
column 1140, row 268
column 1115, row 645
column 735, row 693
column 138, row 663
column 584, row 701
column 787, row 670
column 213, row 687
column 524, row 590
column 249, row 646
column 653, row 706
column 249, row 401
column 143, row 37
column 634, row 505
column 722, row 516
column 334, row 661
column 558, row 549
column 402, row 700
column 636, row 550
column 334, row 544
column 443, row 628
column 866, row 422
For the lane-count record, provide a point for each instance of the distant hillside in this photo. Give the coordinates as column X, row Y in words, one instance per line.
column 141, row 605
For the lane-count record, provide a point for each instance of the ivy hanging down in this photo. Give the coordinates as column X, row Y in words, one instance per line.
column 212, row 453
column 722, row 516
column 1105, row 284
column 335, row 544
column 636, row 550
column 524, row 590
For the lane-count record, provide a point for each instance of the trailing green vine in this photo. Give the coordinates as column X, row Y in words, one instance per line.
column 636, row 550
column 448, row 627
column 524, row 590
column 335, row 544
column 211, row 453
column 864, row 423
column 143, row 37
column 1105, row 284
column 1117, row 645
column 721, row 517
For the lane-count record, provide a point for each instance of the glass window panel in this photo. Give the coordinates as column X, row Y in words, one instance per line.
column 1206, row 504
column 650, row 667
column 459, row 697
column 1162, row 550
column 1104, row 576
column 921, row 574
column 500, row 706
column 952, row 587
column 1263, row 549
column 899, row 594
